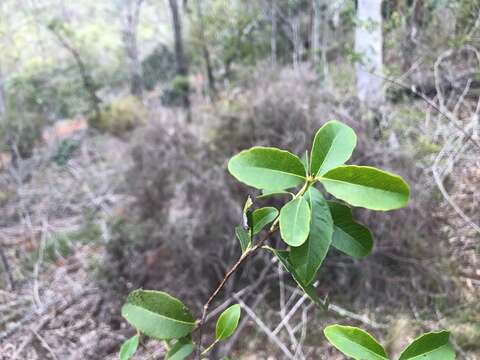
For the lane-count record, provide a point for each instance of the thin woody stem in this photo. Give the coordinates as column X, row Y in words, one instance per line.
column 240, row 261
column 234, row 268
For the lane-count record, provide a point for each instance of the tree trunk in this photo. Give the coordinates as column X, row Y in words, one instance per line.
column 129, row 35
column 273, row 36
column 414, row 20
column 316, row 33
column 368, row 44
column 182, row 69
column 297, row 42
column 87, row 80
column 3, row 101
column 206, row 53
column 324, row 46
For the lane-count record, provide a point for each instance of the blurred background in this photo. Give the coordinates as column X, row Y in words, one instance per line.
column 118, row 117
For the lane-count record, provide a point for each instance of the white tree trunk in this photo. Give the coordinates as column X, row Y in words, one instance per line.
column 3, row 105
column 273, row 37
column 316, row 32
column 368, row 44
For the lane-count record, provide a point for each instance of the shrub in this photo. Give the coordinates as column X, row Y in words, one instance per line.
column 65, row 152
column 175, row 91
column 158, row 66
column 53, row 91
column 20, row 132
column 120, row 116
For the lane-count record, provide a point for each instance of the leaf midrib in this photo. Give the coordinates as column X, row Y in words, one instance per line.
column 426, row 353
column 363, row 347
column 296, row 217
column 328, row 152
column 162, row 316
column 276, row 171
column 351, row 237
column 359, row 185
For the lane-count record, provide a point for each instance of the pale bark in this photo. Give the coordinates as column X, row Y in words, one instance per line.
column 3, row 102
column 129, row 34
column 273, row 36
column 319, row 37
column 297, row 42
column 368, row 44
column 316, row 33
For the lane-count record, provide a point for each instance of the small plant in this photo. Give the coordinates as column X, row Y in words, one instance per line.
column 177, row 88
column 308, row 225
column 120, row 116
column 65, row 152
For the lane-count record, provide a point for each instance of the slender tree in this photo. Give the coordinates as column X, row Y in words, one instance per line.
column 57, row 29
column 413, row 23
column 129, row 35
column 205, row 51
column 273, row 35
column 368, row 44
column 3, row 102
column 182, row 68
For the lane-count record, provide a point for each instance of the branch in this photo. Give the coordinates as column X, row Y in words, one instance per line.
column 265, row 329
column 429, row 103
column 234, row 268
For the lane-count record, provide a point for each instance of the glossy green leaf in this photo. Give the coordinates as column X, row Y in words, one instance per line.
column 158, row 314
column 355, row 342
column 129, row 347
column 270, row 193
column 227, row 322
column 267, row 168
column 430, row 346
column 349, row 237
column 262, row 217
column 306, row 162
column 308, row 289
column 367, row 187
column 243, row 238
column 295, row 221
column 333, row 145
column 308, row 257
column 181, row 349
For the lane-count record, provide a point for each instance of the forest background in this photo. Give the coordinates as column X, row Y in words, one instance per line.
column 117, row 119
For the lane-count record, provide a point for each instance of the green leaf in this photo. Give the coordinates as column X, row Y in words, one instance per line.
column 355, row 342
column 295, row 221
column 262, row 217
column 308, row 257
column 309, row 289
column 227, row 322
column 349, row 237
column 267, row 168
column 333, row 145
column 270, row 193
column 129, row 347
column 306, row 162
column 367, row 187
column 181, row 350
column 243, row 237
column 430, row 346
column 158, row 314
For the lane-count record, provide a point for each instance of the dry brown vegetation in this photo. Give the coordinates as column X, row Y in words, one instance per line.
column 139, row 225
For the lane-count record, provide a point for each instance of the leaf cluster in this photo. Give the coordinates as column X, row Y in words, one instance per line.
column 310, row 222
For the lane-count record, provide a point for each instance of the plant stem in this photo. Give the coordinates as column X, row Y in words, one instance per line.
column 234, row 268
